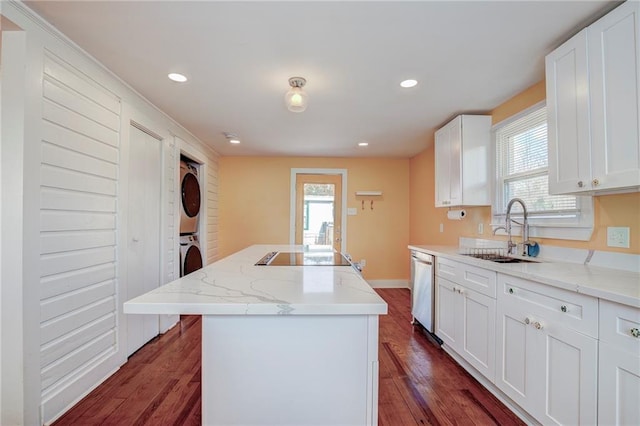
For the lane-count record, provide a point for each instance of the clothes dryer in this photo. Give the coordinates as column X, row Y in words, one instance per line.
column 190, row 255
column 190, row 198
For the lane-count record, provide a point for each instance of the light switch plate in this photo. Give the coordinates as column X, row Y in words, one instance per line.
column 618, row 236
column 442, row 227
column 352, row 211
column 480, row 228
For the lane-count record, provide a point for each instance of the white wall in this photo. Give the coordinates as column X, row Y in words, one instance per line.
column 11, row 323
column 60, row 220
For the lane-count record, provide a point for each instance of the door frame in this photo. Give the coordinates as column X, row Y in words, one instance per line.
column 292, row 200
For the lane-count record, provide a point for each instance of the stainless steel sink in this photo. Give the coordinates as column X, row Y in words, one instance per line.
column 499, row 258
column 512, row 260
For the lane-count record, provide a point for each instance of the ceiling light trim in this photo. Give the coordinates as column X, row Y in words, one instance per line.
column 177, row 77
column 409, row 83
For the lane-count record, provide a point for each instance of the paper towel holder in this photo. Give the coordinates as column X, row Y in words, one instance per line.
column 368, row 194
column 456, row 214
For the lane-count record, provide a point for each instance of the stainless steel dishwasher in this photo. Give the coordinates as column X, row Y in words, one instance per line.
column 423, row 291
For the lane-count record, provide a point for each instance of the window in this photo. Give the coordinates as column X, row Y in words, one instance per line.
column 522, row 172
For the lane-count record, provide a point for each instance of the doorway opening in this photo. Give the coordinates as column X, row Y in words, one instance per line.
column 317, row 216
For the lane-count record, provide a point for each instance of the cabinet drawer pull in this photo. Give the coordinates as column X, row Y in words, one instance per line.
column 635, row 332
column 595, row 182
column 527, row 321
column 580, row 184
column 537, row 325
column 563, row 308
column 510, row 291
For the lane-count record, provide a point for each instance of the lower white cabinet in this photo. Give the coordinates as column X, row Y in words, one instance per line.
column 466, row 323
column 619, row 365
column 561, row 356
column 547, row 368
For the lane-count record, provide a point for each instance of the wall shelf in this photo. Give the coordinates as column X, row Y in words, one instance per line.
column 368, row 193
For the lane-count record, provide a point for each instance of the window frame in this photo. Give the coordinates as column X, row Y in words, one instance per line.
column 574, row 226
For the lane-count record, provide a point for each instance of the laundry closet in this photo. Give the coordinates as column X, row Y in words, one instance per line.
column 190, row 203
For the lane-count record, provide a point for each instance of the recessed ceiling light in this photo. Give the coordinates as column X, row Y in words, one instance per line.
column 232, row 138
column 409, row 83
column 177, row 77
column 363, row 143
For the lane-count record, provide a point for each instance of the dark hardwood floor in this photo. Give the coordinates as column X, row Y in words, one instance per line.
column 419, row 383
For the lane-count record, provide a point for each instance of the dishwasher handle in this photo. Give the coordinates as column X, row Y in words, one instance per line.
column 422, row 257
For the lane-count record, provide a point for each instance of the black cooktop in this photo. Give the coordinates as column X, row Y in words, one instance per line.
column 328, row 258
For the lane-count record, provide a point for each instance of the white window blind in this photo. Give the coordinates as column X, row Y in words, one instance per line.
column 522, row 168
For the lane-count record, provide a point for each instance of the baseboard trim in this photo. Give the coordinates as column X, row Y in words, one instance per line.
column 388, row 283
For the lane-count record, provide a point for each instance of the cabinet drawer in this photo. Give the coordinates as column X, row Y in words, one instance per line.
column 480, row 280
column 552, row 305
column 618, row 324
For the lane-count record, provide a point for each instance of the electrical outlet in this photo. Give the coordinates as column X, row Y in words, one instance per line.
column 442, row 227
column 480, row 228
column 618, row 236
column 352, row 211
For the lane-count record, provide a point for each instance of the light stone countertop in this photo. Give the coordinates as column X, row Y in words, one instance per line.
column 605, row 283
column 234, row 286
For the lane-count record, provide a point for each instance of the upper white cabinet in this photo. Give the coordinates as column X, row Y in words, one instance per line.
column 593, row 104
column 462, row 162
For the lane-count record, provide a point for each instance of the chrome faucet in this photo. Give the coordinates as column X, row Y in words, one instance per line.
column 525, row 227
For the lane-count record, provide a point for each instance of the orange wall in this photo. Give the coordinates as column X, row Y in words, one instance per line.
column 610, row 210
column 254, row 207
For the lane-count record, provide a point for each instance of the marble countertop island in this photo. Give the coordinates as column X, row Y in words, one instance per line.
column 234, row 286
column 296, row 344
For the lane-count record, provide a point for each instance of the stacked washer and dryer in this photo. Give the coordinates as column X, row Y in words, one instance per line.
column 190, row 255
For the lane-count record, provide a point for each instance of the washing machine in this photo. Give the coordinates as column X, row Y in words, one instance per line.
column 190, row 198
column 190, row 255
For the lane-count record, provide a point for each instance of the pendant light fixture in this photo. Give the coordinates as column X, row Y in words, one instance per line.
column 296, row 98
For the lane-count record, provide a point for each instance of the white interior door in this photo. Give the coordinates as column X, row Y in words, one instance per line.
column 143, row 230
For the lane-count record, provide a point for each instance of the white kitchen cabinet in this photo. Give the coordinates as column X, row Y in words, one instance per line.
column 593, row 106
column 619, row 365
column 466, row 318
column 462, row 162
column 547, row 351
column 447, row 312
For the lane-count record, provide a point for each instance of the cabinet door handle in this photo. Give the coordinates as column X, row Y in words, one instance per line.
column 563, row 308
column 595, row 182
column 635, row 332
column 537, row 325
column 510, row 291
column 527, row 321
column 461, row 291
column 580, row 184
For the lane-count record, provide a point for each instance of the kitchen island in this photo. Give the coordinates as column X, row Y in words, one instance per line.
column 285, row 345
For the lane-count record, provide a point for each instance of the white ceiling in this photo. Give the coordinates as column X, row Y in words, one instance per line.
column 468, row 57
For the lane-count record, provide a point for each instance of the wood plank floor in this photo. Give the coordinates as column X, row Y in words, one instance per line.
column 419, row 383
